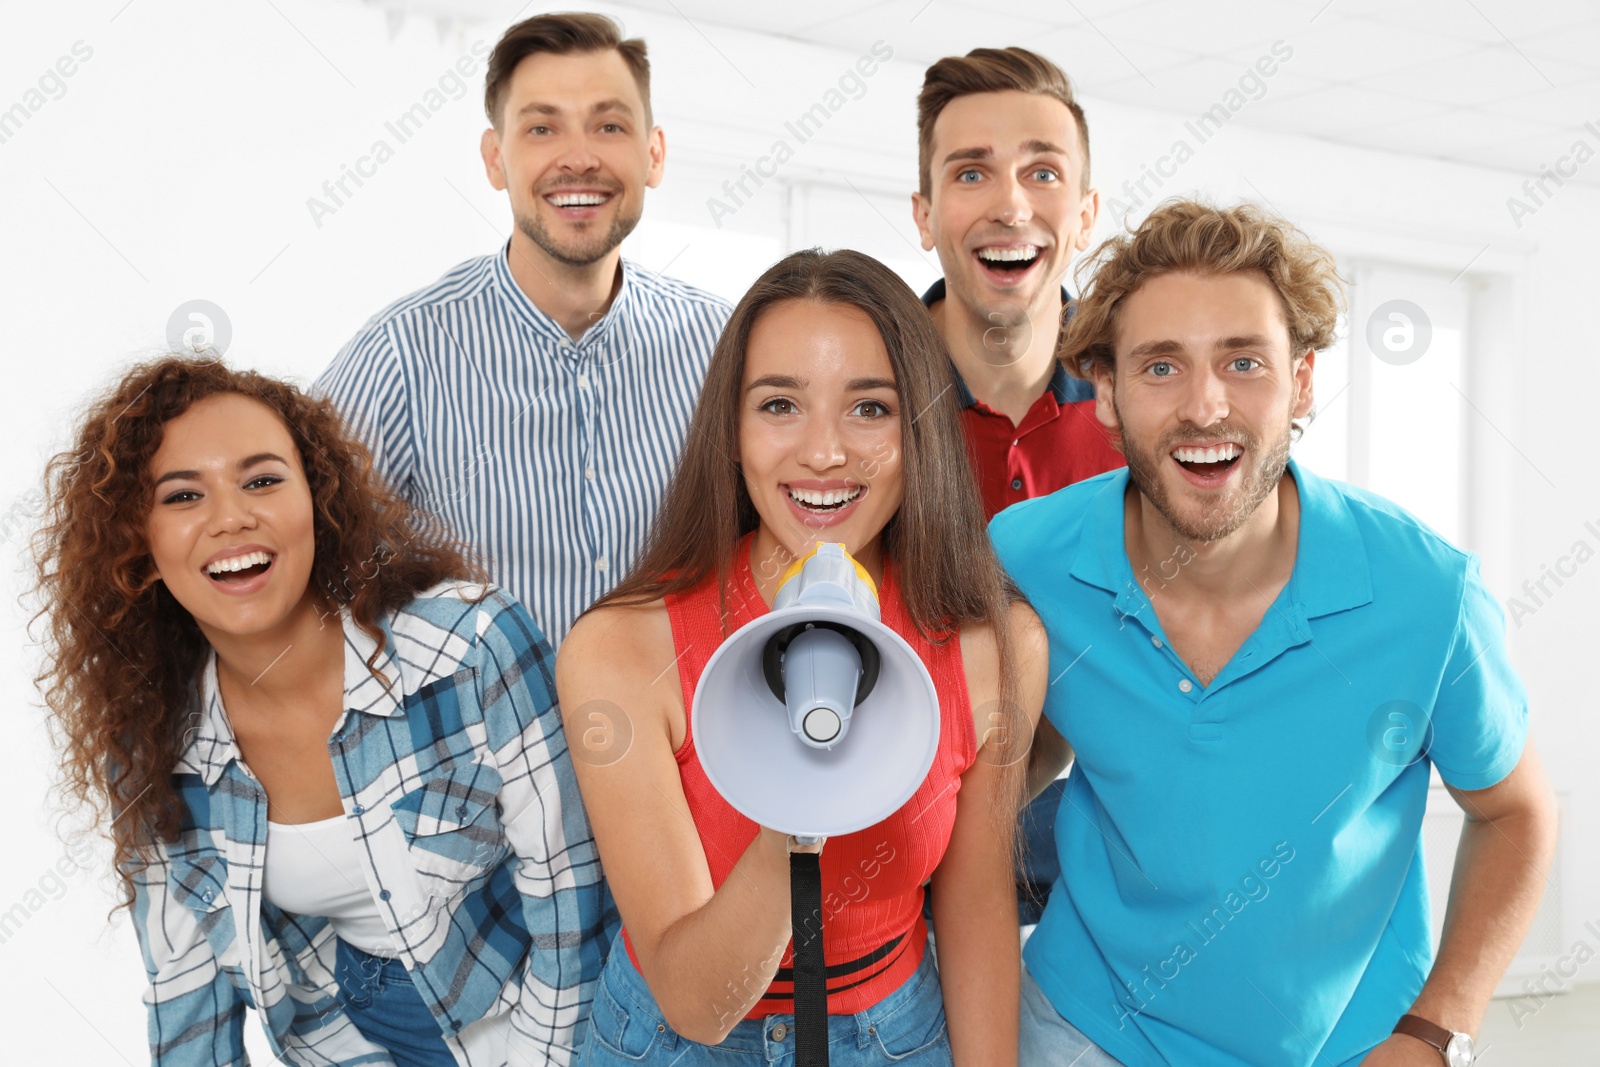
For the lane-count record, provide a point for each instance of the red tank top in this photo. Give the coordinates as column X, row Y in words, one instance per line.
column 873, row 930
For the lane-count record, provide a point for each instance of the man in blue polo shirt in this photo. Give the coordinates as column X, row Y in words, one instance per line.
column 1255, row 669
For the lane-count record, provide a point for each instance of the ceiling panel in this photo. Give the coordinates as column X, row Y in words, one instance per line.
column 1334, row 110
column 1566, row 107
column 1492, row 72
column 1486, row 82
column 1201, row 84
column 1206, row 28
column 1456, row 130
column 1579, row 43
column 1345, row 48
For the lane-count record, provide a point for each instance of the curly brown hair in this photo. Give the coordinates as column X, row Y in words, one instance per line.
column 1188, row 235
column 122, row 655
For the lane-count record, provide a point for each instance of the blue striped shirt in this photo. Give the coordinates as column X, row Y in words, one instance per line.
column 459, row 790
column 549, row 455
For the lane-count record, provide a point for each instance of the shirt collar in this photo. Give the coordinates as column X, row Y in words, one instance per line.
column 212, row 744
column 1063, row 386
column 1331, row 571
column 548, row 326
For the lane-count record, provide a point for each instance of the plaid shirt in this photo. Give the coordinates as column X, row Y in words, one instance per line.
column 459, row 789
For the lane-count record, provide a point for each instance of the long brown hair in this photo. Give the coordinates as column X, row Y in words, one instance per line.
column 948, row 572
column 122, row 655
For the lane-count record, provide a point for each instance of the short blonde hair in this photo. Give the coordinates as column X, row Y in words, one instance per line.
column 1187, row 235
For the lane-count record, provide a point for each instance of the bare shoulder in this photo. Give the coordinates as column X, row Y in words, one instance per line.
column 617, row 642
column 980, row 655
column 1027, row 633
column 980, row 650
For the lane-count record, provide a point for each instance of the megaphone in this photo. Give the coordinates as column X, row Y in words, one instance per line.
column 817, row 719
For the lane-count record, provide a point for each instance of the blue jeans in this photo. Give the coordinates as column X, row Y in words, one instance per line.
column 627, row 1028
column 378, row 996
column 1048, row 1040
column 1041, row 866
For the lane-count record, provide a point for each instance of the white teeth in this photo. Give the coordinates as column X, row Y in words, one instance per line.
column 818, row 498
column 1221, row 454
column 1008, row 255
column 239, row 563
column 577, row 199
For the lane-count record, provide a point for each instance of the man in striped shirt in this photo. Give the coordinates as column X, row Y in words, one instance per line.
column 536, row 398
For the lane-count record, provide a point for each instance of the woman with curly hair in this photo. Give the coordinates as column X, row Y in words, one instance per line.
column 330, row 757
column 828, row 415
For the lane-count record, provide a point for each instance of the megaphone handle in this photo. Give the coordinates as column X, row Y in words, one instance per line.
column 810, row 969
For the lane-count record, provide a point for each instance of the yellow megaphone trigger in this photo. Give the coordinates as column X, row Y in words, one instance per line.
column 798, row 565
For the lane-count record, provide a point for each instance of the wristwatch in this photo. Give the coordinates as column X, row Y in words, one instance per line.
column 1456, row 1048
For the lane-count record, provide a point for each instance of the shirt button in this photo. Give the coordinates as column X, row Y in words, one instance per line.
column 583, row 381
column 780, row 1032
column 383, row 894
column 1156, row 641
column 1017, row 442
column 1185, row 685
column 461, row 811
column 600, row 565
column 358, row 810
column 1016, row 483
column 588, row 472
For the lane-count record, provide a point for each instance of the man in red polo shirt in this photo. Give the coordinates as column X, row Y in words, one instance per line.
column 1004, row 197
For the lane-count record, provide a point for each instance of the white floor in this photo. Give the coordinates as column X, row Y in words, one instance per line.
column 1527, row 1032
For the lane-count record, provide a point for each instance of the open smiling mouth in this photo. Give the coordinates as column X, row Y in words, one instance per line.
column 1213, row 462
column 823, row 501
column 240, row 568
column 1014, row 260
column 577, row 200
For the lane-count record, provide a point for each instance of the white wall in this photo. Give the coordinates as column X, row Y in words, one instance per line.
column 178, row 161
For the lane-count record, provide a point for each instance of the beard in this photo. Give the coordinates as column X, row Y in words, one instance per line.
column 588, row 247
column 1267, row 462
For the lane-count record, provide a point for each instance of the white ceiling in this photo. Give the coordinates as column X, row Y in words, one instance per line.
column 1507, row 84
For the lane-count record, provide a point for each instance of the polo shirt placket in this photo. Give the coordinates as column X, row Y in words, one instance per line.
column 1058, row 441
column 1283, row 627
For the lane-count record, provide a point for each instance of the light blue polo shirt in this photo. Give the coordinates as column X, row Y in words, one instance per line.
column 1242, row 874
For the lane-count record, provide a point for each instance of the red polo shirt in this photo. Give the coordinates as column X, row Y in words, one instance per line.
column 1058, row 442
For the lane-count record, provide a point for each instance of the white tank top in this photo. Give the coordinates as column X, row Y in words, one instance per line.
column 314, row 868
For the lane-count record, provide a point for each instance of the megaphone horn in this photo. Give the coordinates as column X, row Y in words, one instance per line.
column 816, row 719
column 813, row 667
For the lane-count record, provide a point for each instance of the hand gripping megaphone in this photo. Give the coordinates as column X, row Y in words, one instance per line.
column 816, row 720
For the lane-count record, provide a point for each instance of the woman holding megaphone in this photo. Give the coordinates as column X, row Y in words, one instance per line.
column 828, row 416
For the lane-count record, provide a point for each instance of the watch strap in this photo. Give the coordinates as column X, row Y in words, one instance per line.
column 1421, row 1029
